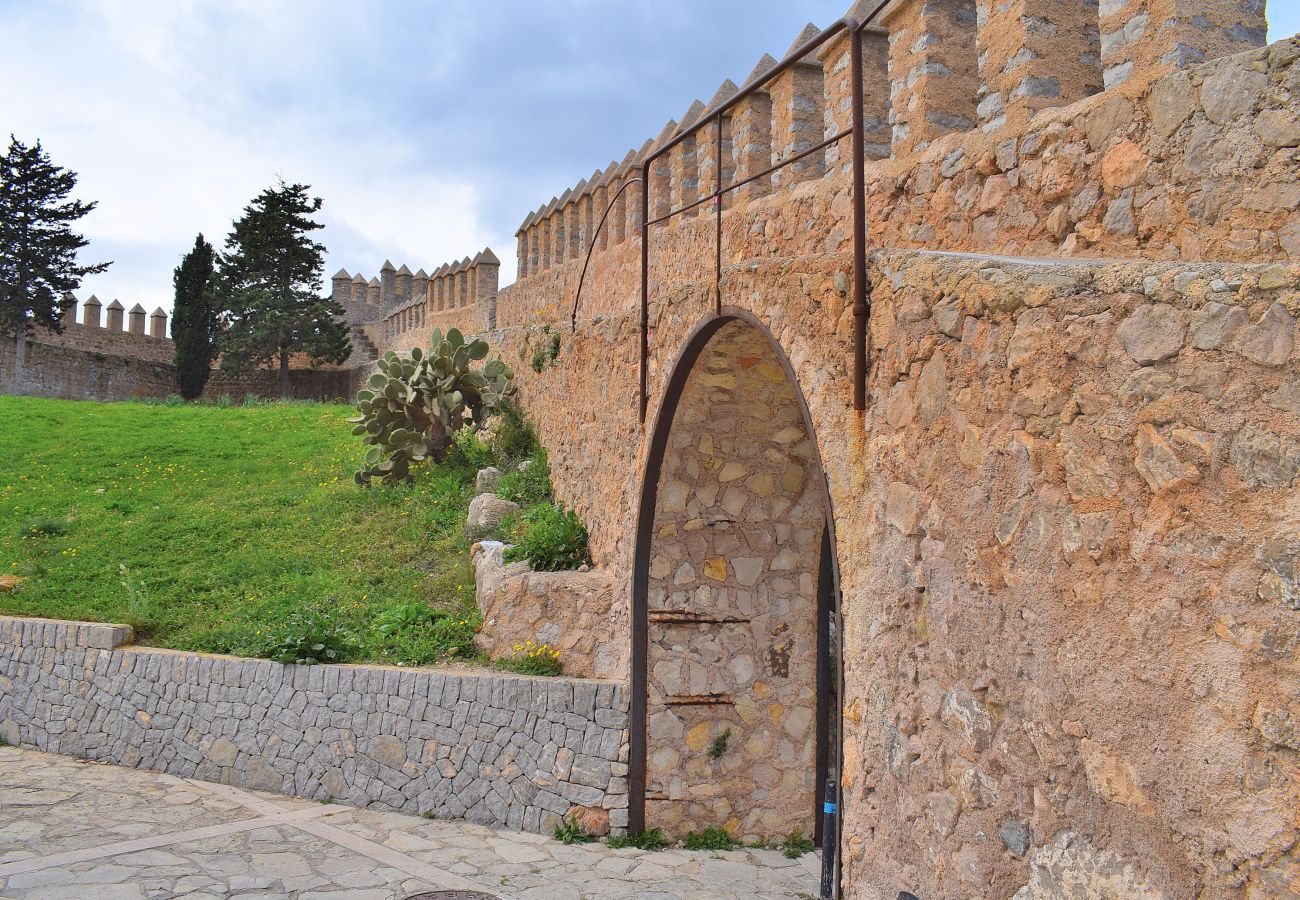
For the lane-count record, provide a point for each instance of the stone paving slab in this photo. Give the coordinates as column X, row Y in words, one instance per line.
column 71, row 829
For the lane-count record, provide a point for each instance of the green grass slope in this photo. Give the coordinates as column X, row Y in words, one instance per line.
column 224, row 529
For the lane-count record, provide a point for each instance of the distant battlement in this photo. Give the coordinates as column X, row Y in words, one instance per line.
column 400, row 307
column 113, row 330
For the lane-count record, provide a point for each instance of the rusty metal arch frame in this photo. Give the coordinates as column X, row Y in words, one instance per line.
column 661, row 428
column 861, row 293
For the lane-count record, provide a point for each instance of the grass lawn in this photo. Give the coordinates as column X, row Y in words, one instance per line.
column 231, row 530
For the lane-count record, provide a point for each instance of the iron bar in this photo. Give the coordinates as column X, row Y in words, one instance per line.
column 717, row 238
column 861, row 303
column 645, row 288
column 755, row 177
column 573, row 319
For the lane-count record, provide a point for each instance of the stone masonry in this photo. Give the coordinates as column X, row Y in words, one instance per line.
column 493, row 749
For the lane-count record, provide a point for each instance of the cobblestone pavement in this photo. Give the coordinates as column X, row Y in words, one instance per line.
column 71, row 830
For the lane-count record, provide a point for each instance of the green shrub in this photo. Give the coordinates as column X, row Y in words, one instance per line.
column 550, row 538
column 309, row 638
column 530, row 658
column 654, row 839
column 44, row 526
column 415, row 634
column 513, row 437
column 571, row 832
column 413, row 406
column 530, row 485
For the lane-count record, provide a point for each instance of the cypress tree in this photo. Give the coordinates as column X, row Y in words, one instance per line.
column 194, row 318
column 271, row 287
column 38, row 248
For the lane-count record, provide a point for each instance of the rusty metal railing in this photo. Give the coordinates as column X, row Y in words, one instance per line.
column 861, row 294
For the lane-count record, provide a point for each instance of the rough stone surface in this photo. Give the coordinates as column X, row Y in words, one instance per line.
column 493, row 749
column 486, row 512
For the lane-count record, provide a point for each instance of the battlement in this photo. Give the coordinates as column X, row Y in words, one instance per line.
column 932, row 70
column 112, row 330
column 400, row 307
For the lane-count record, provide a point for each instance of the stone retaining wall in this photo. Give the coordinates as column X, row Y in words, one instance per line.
column 494, row 749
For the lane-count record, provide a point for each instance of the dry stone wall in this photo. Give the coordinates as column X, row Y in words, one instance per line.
column 494, row 749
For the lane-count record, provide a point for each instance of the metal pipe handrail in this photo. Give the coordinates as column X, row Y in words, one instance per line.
column 861, row 298
column 573, row 319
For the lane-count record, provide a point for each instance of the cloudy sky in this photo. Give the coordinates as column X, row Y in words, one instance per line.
column 430, row 129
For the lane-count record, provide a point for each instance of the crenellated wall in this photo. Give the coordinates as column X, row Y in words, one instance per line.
column 1064, row 525
column 399, row 310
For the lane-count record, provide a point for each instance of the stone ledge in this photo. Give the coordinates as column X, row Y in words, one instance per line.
column 61, row 633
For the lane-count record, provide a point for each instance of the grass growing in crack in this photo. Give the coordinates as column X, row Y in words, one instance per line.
column 710, row 839
column 231, row 529
column 719, row 745
column 796, row 845
column 651, row 839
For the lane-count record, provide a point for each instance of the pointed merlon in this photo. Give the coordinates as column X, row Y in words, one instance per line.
column 158, row 314
column 465, row 263
column 341, row 273
column 596, row 180
column 116, row 304
column 93, row 301
column 692, row 114
column 387, row 266
column 550, row 207
column 764, row 66
column 403, row 270
column 523, row 226
column 421, row 274
column 809, row 32
column 669, row 131
column 564, row 198
column 358, row 279
column 487, row 257
column 374, row 282
column 137, row 309
column 725, row 92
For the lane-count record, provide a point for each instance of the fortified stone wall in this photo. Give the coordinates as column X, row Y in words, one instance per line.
column 1067, row 549
column 494, row 749
column 399, row 310
column 119, row 361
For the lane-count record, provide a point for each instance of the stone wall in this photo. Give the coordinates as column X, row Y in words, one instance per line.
column 732, row 621
column 1067, row 547
column 60, row 369
column 490, row 748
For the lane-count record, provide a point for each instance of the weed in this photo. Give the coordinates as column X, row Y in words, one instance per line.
column 428, row 814
column 713, row 838
column 530, row 658
column 308, row 639
column 550, row 538
column 653, row 839
column 326, row 800
column 796, row 845
column 529, row 484
column 571, row 832
column 719, row 745
column 44, row 526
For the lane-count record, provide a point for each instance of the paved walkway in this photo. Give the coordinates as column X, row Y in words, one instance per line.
column 71, row 830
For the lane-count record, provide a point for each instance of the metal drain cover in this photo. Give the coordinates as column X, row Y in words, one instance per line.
column 452, row 895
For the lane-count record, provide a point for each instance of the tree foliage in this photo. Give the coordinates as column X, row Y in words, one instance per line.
column 194, row 318
column 38, row 248
column 270, row 287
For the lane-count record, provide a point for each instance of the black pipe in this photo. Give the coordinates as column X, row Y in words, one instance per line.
column 830, row 835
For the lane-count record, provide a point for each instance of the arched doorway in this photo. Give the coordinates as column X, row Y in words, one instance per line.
column 735, row 709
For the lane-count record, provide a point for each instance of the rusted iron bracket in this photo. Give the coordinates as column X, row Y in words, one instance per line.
column 577, row 296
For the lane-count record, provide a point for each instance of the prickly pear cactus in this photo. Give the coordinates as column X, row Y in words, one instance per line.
column 411, row 409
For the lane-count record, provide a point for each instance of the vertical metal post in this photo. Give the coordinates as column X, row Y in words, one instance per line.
column 645, row 288
column 861, row 303
column 717, row 242
column 830, row 836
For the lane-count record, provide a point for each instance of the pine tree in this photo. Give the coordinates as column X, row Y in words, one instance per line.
column 270, row 287
column 38, row 248
column 194, row 318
